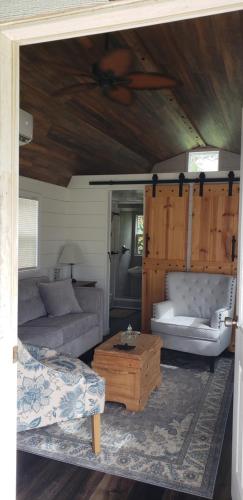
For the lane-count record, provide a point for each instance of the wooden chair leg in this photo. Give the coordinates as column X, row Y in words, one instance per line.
column 95, row 422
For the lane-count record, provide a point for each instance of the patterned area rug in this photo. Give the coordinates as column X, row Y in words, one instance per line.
column 174, row 443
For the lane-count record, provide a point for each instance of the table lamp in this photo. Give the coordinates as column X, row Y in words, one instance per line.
column 70, row 254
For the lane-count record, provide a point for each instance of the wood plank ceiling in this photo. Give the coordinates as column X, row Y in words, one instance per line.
column 89, row 134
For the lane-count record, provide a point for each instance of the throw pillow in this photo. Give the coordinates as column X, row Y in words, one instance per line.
column 59, row 298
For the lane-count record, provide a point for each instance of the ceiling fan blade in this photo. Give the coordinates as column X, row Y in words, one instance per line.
column 119, row 94
column 69, row 70
column 118, row 61
column 74, row 89
column 149, row 81
column 86, row 42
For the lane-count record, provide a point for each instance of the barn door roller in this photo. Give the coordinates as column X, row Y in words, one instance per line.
column 155, row 182
column 231, row 178
column 181, row 182
column 202, row 178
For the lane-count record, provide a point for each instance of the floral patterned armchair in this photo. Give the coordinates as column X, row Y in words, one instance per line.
column 53, row 388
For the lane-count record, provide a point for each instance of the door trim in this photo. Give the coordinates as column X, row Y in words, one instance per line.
column 123, row 14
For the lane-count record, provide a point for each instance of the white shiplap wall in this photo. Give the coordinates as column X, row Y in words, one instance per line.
column 227, row 161
column 88, row 226
column 90, row 214
column 81, row 213
column 89, row 223
column 53, row 203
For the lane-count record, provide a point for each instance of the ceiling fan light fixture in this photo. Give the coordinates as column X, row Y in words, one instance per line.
column 113, row 75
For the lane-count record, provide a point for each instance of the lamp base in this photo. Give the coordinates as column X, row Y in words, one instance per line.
column 73, row 280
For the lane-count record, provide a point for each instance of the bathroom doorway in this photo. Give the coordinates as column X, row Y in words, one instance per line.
column 126, row 259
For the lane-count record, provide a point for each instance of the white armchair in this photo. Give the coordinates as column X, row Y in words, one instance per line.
column 192, row 318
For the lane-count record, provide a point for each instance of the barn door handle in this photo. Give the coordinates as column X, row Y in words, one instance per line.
column 228, row 322
column 233, row 256
column 147, row 239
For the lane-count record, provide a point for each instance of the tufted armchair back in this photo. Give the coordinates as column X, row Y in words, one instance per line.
column 199, row 294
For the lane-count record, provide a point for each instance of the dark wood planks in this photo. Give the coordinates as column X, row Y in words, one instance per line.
column 88, row 134
column 40, row 478
column 205, row 55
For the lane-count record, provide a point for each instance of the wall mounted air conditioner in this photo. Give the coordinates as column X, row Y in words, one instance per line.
column 25, row 127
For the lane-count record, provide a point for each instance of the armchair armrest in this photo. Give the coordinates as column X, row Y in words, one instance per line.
column 60, row 369
column 218, row 317
column 163, row 310
column 92, row 300
column 40, row 353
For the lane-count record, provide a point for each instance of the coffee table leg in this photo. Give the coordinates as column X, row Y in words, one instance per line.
column 158, row 384
column 95, row 422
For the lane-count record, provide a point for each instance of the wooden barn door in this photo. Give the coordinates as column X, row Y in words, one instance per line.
column 166, row 221
column 215, row 232
column 213, row 239
column 215, row 229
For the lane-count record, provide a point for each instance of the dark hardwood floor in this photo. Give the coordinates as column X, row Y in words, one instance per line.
column 43, row 479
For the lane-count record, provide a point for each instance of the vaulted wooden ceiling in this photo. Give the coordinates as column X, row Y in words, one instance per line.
column 89, row 134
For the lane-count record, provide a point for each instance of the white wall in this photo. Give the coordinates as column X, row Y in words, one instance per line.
column 89, row 223
column 82, row 213
column 227, row 161
column 53, row 203
column 91, row 227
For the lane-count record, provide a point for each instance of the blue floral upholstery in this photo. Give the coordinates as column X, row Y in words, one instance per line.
column 54, row 388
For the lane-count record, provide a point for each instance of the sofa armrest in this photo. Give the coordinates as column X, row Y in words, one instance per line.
column 92, row 300
column 163, row 310
column 218, row 317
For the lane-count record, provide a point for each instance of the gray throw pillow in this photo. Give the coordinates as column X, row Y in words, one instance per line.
column 59, row 298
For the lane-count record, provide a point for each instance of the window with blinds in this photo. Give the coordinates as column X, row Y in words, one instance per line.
column 28, row 233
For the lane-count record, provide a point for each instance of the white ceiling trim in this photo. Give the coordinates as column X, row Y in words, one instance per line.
column 21, row 9
column 110, row 16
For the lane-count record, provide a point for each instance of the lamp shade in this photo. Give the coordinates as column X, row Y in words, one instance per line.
column 70, row 254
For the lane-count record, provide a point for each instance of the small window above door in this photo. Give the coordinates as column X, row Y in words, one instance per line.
column 203, row 161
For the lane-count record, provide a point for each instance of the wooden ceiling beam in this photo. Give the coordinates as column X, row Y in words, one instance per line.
column 147, row 63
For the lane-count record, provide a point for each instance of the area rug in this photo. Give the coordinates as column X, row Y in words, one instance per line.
column 174, row 443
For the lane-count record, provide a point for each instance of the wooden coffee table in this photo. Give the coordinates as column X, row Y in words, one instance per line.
column 130, row 375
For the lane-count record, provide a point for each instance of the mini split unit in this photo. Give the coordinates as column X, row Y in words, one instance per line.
column 25, row 127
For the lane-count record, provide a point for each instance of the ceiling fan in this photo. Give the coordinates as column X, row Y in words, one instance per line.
column 113, row 75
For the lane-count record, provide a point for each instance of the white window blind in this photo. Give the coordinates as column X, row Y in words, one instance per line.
column 28, row 233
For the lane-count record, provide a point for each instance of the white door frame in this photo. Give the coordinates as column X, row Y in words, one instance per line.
column 122, row 14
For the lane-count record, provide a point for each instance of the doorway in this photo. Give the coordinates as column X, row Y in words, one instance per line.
column 36, row 30
column 126, row 251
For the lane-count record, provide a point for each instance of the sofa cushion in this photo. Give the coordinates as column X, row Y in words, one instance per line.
column 59, row 298
column 30, row 304
column 185, row 326
column 55, row 331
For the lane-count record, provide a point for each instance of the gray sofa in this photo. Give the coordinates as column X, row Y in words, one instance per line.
column 73, row 333
column 192, row 318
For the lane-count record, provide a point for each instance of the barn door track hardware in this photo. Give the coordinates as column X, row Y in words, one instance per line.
column 181, row 180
